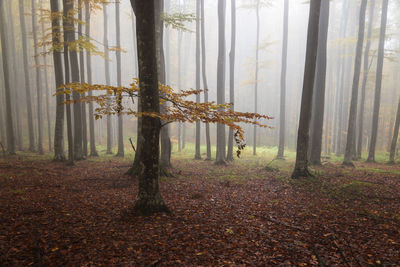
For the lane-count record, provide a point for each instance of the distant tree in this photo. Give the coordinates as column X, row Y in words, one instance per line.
column 59, row 154
column 204, row 71
column 107, row 73
column 92, row 138
column 221, row 143
column 28, row 96
column 120, row 152
column 365, row 78
column 232, row 57
column 256, row 75
column 282, row 113
column 197, row 154
column 378, row 82
column 7, row 87
column 351, row 130
column 301, row 165
column 395, row 135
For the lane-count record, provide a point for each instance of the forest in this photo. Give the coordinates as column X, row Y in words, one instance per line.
column 199, row 133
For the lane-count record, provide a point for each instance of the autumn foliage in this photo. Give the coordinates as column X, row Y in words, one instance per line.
column 112, row 101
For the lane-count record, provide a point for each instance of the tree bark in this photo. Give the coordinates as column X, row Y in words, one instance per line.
column 7, row 88
column 221, row 142
column 282, row 113
column 120, row 152
column 197, row 154
column 395, row 135
column 317, row 119
column 256, row 77
column 26, row 77
column 149, row 197
column 378, row 83
column 301, row 165
column 232, row 58
column 204, row 72
column 59, row 154
column 351, row 132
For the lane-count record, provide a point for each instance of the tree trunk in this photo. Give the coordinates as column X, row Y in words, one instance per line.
column 82, row 79
column 256, row 77
column 282, row 113
column 26, row 77
column 232, row 58
column 205, row 82
column 107, row 75
column 92, row 137
column 395, row 135
column 364, row 82
column 59, row 154
column 120, row 152
column 66, row 26
column 7, row 88
column 179, row 85
column 378, row 83
column 301, row 166
column 221, row 142
column 149, row 197
column 320, row 87
column 197, row 154
column 351, row 132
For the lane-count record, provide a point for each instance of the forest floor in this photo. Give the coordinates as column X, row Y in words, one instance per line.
column 239, row 214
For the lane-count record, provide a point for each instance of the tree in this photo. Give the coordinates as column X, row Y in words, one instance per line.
column 38, row 80
column 59, row 78
column 26, row 77
column 232, row 56
column 92, row 138
column 282, row 113
column 351, row 130
column 395, row 135
column 67, row 21
column 364, row 81
column 317, row 118
column 301, row 165
column 9, row 117
column 205, row 83
column 256, row 75
column 107, row 74
column 149, row 197
column 221, row 143
column 120, row 152
column 378, row 82
column 197, row 154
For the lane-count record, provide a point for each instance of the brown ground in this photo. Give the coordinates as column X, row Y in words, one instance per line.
column 242, row 214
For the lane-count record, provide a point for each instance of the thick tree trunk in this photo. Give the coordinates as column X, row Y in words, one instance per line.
column 28, row 96
column 59, row 154
column 7, row 88
column 149, row 197
column 120, row 152
column 205, row 82
column 301, row 166
column 282, row 113
column 351, row 132
column 378, row 83
column 107, row 75
column 66, row 26
column 92, row 137
column 364, row 82
column 395, row 135
column 319, row 90
column 256, row 77
column 221, row 142
column 232, row 58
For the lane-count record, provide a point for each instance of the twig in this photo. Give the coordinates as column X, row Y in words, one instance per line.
column 130, row 140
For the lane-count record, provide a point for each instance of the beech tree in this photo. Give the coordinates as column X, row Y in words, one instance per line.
column 395, row 135
column 232, row 58
column 197, row 154
column 301, row 165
